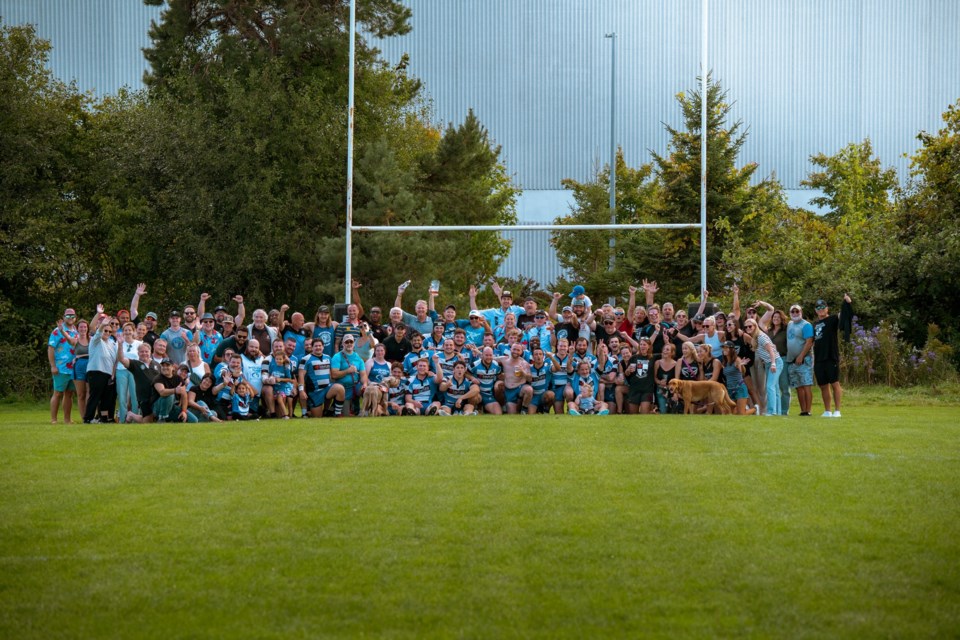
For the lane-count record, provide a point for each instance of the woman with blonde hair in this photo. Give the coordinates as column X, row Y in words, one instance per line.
column 126, row 387
column 767, row 353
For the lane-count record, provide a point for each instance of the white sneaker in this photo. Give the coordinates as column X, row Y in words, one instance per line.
column 836, row 414
column 826, row 414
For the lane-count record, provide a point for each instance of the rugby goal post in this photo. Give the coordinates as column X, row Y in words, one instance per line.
column 350, row 228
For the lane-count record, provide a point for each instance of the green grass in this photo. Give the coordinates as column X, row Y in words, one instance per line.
column 520, row 527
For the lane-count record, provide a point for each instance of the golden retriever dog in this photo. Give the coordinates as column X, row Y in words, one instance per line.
column 375, row 396
column 374, row 402
column 702, row 391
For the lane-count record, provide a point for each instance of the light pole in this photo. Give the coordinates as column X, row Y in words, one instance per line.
column 613, row 149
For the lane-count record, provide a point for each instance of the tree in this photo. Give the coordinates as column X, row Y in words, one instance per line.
column 854, row 183
column 45, row 226
column 672, row 195
column 927, row 225
column 236, row 158
column 585, row 255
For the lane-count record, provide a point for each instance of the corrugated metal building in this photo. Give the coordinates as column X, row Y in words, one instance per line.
column 807, row 76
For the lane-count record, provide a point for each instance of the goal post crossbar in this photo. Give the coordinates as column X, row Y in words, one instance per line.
column 529, row 227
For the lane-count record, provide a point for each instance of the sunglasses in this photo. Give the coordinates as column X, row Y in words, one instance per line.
column 70, row 315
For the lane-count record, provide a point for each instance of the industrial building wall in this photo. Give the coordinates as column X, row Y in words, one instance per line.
column 807, row 76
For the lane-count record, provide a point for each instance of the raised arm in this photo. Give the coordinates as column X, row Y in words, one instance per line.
column 554, row 303
column 650, row 290
column 202, row 307
column 398, row 302
column 735, row 312
column 135, row 302
column 472, row 295
column 631, row 303
column 703, row 302
column 354, row 297
column 432, row 300
column 120, row 357
column 241, row 311
column 764, row 320
column 97, row 319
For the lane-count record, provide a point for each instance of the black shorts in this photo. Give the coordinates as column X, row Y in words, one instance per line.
column 826, row 372
column 638, row 397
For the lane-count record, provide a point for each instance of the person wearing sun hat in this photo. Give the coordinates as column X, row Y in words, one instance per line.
column 495, row 315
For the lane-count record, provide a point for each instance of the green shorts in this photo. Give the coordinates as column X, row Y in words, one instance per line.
column 63, row 382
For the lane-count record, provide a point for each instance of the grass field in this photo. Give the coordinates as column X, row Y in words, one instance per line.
column 484, row 527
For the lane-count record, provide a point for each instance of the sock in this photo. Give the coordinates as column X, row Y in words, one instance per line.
column 337, row 408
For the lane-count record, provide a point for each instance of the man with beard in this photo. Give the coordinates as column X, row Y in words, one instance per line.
column 516, row 377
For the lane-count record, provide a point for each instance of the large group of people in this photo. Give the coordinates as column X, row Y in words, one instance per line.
column 573, row 357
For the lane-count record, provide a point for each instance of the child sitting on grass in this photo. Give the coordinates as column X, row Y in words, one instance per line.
column 586, row 402
column 242, row 398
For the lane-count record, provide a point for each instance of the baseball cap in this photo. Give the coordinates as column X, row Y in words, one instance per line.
column 323, row 309
column 450, row 306
column 821, row 304
column 568, row 308
column 540, row 314
column 228, row 320
column 152, row 315
column 506, row 294
column 796, row 307
column 475, row 314
column 529, row 299
column 579, row 302
column 166, row 361
column 174, row 314
column 219, row 307
column 699, row 317
column 348, row 338
column 577, row 291
column 729, row 344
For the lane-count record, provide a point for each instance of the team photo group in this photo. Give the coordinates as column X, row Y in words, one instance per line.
column 575, row 357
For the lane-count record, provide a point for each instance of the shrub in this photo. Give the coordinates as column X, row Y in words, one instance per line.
column 878, row 356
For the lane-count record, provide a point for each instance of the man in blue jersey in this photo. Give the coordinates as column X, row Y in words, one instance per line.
column 348, row 369
column 459, row 394
column 322, row 329
column 417, row 351
column 314, row 383
column 422, row 389
column 488, row 374
column 561, row 389
column 540, row 383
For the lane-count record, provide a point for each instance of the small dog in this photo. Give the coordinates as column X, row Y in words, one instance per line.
column 375, row 398
column 706, row 390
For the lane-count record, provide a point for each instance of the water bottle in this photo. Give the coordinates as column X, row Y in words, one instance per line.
column 404, row 286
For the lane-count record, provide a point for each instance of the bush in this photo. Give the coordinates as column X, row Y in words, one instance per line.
column 23, row 375
column 879, row 356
